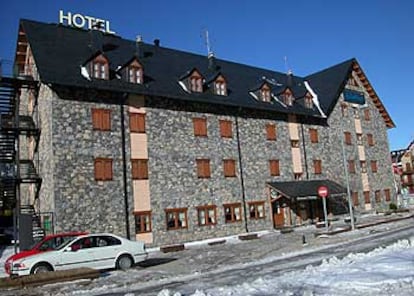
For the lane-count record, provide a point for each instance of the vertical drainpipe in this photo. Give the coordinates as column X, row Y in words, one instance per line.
column 241, row 173
column 124, row 168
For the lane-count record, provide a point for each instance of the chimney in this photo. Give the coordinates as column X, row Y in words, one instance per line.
column 289, row 78
column 138, row 46
column 211, row 61
column 157, row 42
column 96, row 34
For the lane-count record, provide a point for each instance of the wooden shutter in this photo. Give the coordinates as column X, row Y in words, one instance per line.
column 229, row 168
column 366, row 197
column 270, row 132
column 139, row 169
column 274, row 167
column 374, row 167
column 317, row 164
column 387, row 194
column 226, row 129
column 200, row 127
column 137, row 122
column 370, row 139
column 313, row 135
column 355, row 198
column 203, row 168
column 101, row 119
column 351, row 166
column 367, row 115
column 103, row 169
column 348, row 138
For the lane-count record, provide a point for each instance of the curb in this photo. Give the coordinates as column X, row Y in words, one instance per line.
column 49, row 278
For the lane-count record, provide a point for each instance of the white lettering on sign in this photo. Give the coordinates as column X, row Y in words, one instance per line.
column 81, row 21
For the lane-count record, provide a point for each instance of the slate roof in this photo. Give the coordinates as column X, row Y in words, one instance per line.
column 59, row 51
column 306, row 188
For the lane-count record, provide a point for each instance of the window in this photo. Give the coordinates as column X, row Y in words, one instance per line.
column 220, row 86
column 265, row 93
column 387, row 194
column 232, row 212
column 99, row 68
column 317, row 166
column 297, row 176
column 288, row 97
column 308, row 101
column 344, row 107
column 359, row 139
column 196, row 82
column 348, row 138
column 351, row 166
column 271, row 132
column 200, row 127
column 374, row 167
column 226, row 128
column 367, row 115
column 370, row 140
column 101, row 119
column 363, row 166
column 176, row 218
column 139, row 169
column 274, row 167
column 256, row 209
column 203, row 168
column 366, row 197
column 313, row 135
column 103, row 169
column 135, row 73
column 294, row 143
column 142, row 222
column 377, row 196
column 206, row 215
column 355, row 198
column 229, row 166
column 137, row 122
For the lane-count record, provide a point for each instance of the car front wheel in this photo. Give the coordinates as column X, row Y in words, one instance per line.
column 40, row 268
column 124, row 262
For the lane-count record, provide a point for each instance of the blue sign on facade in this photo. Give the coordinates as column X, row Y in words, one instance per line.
column 354, row 97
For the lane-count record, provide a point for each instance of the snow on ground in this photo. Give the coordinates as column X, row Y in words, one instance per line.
column 384, row 271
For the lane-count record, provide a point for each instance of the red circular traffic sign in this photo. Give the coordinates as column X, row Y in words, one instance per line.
column 323, row 191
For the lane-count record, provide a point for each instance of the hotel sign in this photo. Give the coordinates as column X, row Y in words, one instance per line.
column 83, row 21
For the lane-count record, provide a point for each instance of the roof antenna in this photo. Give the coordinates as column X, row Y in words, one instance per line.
column 209, row 51
column 287, row 68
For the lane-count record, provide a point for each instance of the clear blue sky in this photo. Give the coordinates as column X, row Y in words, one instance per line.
column 313, row 35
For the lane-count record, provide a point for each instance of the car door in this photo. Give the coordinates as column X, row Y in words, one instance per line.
column 79, row 253
column 106, row 250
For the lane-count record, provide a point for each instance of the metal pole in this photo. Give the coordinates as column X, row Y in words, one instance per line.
column 325, row 212
column 351, row 212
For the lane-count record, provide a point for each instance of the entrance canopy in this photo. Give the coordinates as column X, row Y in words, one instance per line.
column 305, row 189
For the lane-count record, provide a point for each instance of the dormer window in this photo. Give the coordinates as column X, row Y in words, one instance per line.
column 308, row 101
column 196, row 82
column 99, row 67
column 220, row 87
column 135, row 73
column 265, row 93
column 288, row 97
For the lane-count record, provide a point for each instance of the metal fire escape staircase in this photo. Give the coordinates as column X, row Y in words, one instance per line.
column 13, row 170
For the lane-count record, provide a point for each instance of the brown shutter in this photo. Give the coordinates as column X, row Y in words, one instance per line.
column 314, row 135
column 139, row 169
column 98, row 169
column 226, row 129
column 96, row 119
column 137, row 122
column 200, row 127
column 374, row 167
column 317, row 163
column 229, row 168
column 366, row 197
column 274, row 167
column 203, row 168
column 348, row 138
column 355, row 198
column 108, row 169
column 106, row 120
column 270, row 132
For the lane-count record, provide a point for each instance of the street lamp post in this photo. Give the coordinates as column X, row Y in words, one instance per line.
column 348, row 190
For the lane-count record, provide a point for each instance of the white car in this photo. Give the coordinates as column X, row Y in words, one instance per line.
column 99, row 251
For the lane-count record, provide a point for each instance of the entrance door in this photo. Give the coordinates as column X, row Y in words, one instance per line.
column 278, row 215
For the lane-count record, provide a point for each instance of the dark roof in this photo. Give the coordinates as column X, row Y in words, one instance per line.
column 292, row 189
column 60, row 51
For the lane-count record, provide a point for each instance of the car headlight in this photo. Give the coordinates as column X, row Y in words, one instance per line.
column 18, row 265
